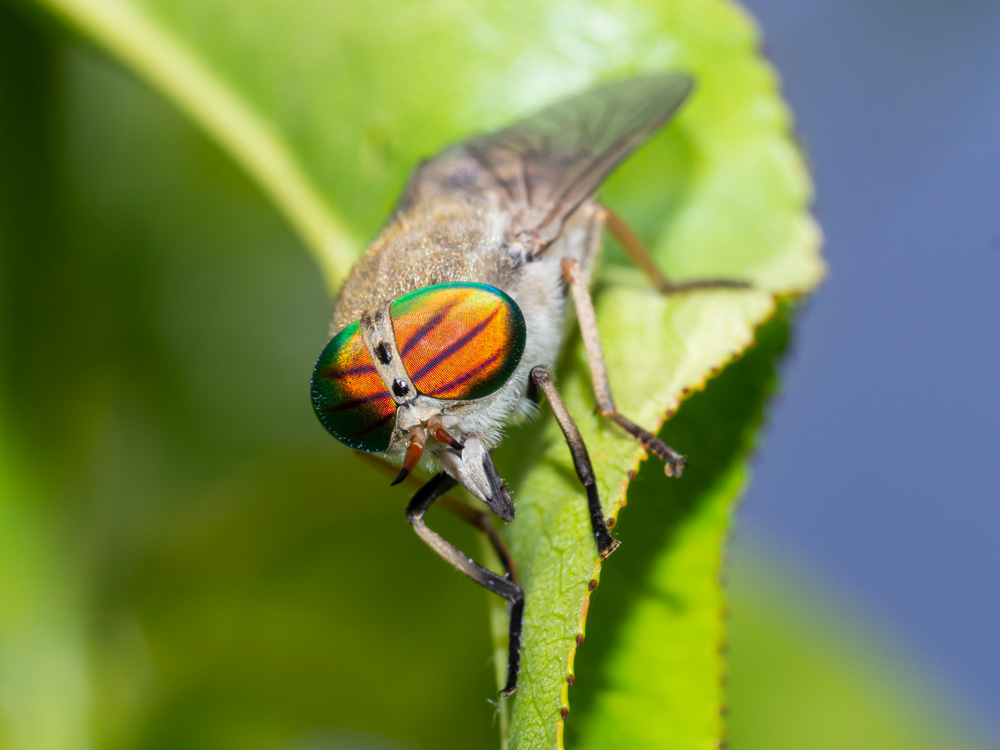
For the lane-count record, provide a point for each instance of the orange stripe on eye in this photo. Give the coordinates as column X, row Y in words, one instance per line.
column 453, row 388
column 441, row 358
column 475, row 363
column 451, row 348
column 458, row 341
column 413, row 337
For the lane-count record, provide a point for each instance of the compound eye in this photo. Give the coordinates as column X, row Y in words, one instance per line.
column 348, row 395
column 460, row 340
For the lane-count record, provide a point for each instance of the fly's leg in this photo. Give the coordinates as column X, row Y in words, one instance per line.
column 606, row 544
column 480, row 519
column 675, row 462
column 426, row 495
column 640, row 256
column 484, row 522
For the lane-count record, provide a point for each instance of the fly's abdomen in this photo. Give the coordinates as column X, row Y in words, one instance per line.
column 348, row 395
column 458, row 340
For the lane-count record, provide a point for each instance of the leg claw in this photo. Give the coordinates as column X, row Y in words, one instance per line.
column 674, row 466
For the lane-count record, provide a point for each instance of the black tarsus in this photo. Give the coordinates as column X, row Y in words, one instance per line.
column 674, row 460
column 606, row 544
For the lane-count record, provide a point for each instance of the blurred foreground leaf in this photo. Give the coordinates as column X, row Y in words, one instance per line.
column 329, row 106
column 188, row 560
column 810, row 668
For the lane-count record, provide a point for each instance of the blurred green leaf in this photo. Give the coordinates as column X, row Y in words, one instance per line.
column 329, row 106
column 810, row 667
column 189, row 560
column 41, row 643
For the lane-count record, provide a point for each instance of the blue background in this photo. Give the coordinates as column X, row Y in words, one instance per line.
column 880, row 460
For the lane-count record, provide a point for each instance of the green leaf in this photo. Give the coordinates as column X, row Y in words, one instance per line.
column 650, row 673
column 651, row 670
column 735, row 191
column 329, row 106
column 42, row 642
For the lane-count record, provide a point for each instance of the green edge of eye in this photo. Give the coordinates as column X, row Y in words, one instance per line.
column 368, row 425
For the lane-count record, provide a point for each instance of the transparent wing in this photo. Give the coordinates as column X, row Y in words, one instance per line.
column 543, row 167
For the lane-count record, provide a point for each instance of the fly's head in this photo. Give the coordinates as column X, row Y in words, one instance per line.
column 422, row 373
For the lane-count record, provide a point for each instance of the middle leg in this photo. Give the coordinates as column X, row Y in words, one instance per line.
column 674, row 461
column 606, row 544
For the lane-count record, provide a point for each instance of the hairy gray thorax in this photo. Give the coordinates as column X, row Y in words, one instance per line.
column 451, row 240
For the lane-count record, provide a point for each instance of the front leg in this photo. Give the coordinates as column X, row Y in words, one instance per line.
column 426, row 495
column 587, row 318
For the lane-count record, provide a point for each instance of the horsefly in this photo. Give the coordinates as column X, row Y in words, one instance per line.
column 450, row 324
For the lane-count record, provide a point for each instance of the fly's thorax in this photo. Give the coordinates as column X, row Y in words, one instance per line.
column 451, row 240
column 438, row 357
column 541, row 292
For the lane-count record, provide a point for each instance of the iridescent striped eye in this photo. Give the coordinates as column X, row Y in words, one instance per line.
column 348, row 395
column 459, row 340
